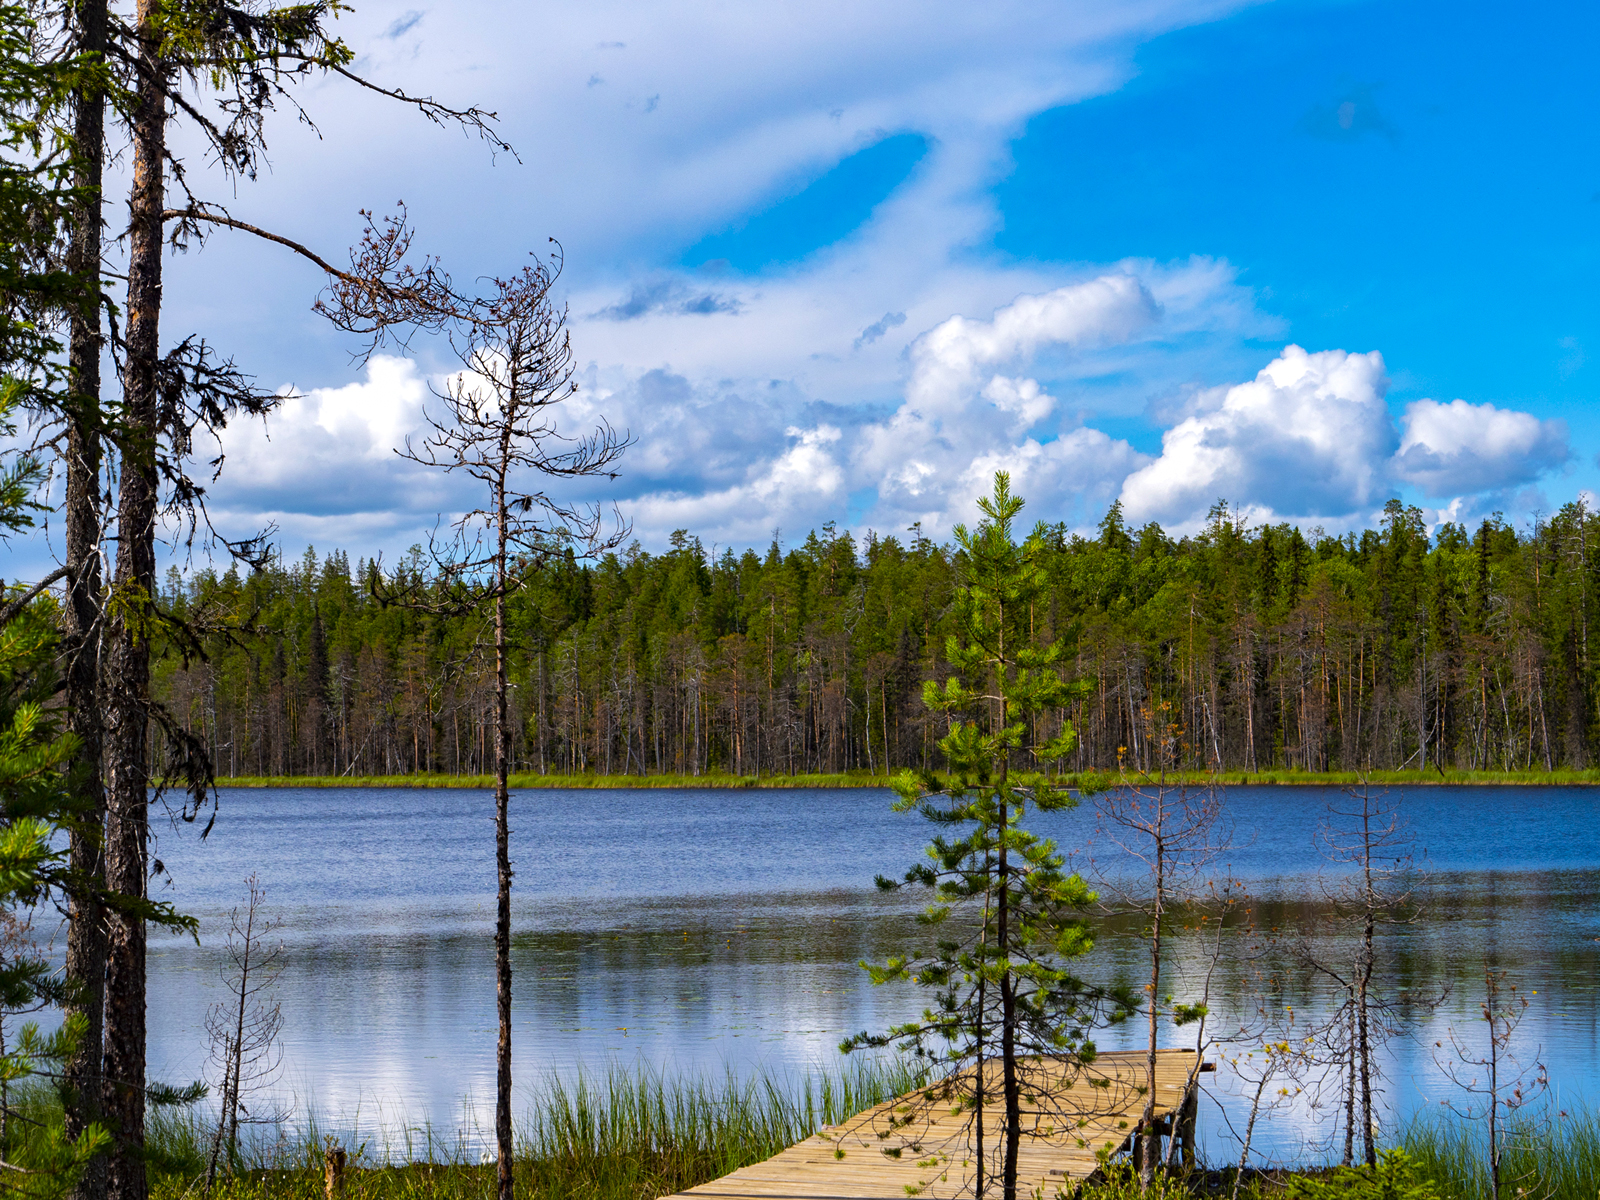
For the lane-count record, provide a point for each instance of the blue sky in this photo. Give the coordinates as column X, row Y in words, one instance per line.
column 836, row 262
column 1450, row 218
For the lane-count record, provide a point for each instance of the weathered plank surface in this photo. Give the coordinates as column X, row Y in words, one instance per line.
column 909, row 1147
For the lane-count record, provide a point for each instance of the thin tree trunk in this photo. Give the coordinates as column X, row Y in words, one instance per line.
column 502, row 838
column 977, row 1090
column 1147, row 1139
column 1350, row 1085
column 1364, row 1046
column 1249, row 1135
column 128, row 658
column 86, row 933
column 1012, row 1091
column 1363, row 983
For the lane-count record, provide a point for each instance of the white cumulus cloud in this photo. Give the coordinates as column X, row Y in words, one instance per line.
column 1455, row 448
column 323, row 467
column 1311, row 439
column 950, row 358
column 961, row 417
column 1309, row 436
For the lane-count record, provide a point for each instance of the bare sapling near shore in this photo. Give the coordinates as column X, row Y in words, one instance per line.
column 1168, row 827
column 1273, row 1071
column 1495, row 1082
column 244, row 1030
column 1366, row 834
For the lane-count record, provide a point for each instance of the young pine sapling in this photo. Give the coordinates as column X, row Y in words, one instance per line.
column 1007, row 1009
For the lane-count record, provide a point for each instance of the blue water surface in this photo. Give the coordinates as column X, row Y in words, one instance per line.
column 713, row 930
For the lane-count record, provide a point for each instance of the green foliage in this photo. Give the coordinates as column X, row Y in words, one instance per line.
column 1467, row 659
column 35, row 805
column 1000, row 971
column 1396, row 1177
column 35, row 201
column 1120, row 1181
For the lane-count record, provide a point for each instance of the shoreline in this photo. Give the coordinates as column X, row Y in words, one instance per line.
column 717, row 781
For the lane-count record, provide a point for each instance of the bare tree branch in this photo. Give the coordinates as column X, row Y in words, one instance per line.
column 11, row 610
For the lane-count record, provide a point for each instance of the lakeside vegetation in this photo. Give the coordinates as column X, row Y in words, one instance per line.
column 623, row 1135
column 716, row 780
column 1451, row 653
column 638, row 1135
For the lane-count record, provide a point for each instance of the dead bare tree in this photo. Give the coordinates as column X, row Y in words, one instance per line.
column 495, row 422
column 1168, row 826
column 1367, row 834
column 244, row 1029
column 1220, row 915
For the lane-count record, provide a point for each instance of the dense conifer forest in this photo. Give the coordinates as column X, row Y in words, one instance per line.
column 1270, row 647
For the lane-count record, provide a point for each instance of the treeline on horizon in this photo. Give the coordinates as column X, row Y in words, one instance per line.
column 1381, row 650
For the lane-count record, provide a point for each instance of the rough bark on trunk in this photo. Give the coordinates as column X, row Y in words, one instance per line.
column 81, row 628
column 127, row 667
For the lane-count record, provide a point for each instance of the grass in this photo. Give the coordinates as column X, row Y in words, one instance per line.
column 636, row 1135
column 851, row 779
column 625, row 1135
column 1552, row 1156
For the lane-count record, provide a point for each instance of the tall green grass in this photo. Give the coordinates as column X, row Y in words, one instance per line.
column 1548, row 1155
column 621, row 1135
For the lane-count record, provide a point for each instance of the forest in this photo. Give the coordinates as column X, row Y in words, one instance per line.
column 1269, row 647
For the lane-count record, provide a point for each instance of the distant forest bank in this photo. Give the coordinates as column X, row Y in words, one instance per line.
column 1462, row 655
column 718, row 781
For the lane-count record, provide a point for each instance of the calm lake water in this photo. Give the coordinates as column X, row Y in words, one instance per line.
column 709, row 931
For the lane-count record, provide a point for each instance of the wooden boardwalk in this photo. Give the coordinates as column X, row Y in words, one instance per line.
column 911, row 1147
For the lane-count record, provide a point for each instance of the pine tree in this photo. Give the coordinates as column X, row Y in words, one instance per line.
column 1006, row 1003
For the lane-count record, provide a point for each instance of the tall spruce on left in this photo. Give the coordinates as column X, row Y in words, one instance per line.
column 497, row 424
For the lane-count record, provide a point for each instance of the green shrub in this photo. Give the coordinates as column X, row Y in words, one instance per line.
column 1396, row 1177
column 1120, row 1181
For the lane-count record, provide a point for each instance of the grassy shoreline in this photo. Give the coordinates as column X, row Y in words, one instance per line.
column 861, row 779
column 635, row 1135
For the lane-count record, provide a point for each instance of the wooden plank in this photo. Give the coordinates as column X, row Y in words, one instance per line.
column 910, row 1147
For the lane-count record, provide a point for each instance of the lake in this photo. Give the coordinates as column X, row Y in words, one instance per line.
column 707, row 931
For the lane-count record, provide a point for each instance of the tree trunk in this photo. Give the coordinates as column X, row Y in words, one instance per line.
column 1148, row 1140
column 1011, row 1090
column 1350, row 1084
column 1364, row 1045
column 86, row 934
column 502, row 836
column 128, row 654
